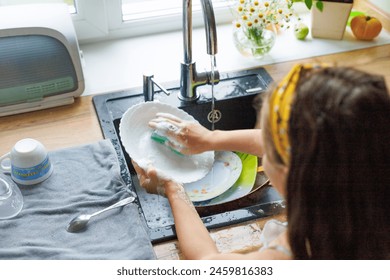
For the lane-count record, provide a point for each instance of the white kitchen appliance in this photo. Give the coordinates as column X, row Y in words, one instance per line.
column 40, row 61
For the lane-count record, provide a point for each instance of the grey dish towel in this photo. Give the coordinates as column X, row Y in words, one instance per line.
column 85, row 179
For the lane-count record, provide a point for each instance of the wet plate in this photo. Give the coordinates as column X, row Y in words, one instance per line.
column 224, row 173
column 242, row 186
column 136, row 139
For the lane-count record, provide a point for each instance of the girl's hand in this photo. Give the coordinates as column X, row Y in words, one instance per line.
column 149, row 180
column 186, row 137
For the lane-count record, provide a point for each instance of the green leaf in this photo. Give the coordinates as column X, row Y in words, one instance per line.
column 320, row 5
column 308, row 3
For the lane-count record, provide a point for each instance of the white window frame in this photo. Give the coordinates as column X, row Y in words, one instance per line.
column 90, row 21
column 102, row 20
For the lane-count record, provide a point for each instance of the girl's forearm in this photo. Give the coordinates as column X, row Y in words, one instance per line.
column 244, row 140
column 194, row 239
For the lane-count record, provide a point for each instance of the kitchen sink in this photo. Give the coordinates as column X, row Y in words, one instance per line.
column 233, row 109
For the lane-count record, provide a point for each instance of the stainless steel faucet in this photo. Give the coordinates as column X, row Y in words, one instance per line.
column 190, row 77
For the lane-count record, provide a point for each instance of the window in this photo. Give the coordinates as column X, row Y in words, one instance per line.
column 105, row 19
column 138, row 9
column 139, row 17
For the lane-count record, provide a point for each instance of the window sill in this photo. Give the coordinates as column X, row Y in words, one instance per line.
column 120, row 64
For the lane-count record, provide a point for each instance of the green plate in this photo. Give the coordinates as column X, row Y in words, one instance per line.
column 242, row 186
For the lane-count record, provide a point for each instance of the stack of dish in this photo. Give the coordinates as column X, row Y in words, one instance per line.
column 237, row 184
column 209, row 178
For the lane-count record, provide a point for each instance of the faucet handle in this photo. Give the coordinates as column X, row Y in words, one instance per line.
column 148, row 85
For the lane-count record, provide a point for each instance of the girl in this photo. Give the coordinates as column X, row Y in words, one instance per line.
column 325, row 146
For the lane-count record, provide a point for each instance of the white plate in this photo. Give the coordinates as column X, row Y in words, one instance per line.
column 135, row 135
column 242, row 186
column 224, row 173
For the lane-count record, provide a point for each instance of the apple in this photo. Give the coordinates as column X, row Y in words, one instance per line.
column 301, row 30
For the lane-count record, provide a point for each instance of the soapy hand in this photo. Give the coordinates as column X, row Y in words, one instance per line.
column 149, row 180
column 186, row 137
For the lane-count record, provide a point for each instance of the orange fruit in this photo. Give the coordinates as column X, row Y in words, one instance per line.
column 365, row 27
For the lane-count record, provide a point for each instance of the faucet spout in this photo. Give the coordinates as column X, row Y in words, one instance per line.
column 210, row 27
column 190, row 77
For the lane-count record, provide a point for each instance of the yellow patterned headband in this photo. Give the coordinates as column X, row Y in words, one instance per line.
column 280, row 107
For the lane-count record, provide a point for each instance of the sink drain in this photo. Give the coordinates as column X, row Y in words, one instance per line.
column 214, row 116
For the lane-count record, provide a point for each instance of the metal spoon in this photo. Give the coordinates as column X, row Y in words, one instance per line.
column 79, row 223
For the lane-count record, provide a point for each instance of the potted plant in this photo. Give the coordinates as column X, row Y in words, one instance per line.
column 329, row 17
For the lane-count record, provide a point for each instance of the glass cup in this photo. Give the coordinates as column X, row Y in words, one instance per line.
column 28, row 162
column 11, row 199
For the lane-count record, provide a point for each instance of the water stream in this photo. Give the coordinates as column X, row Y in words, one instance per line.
column 213, row 65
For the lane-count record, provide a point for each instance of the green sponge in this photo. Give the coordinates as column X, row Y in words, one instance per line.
column 163, row 140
